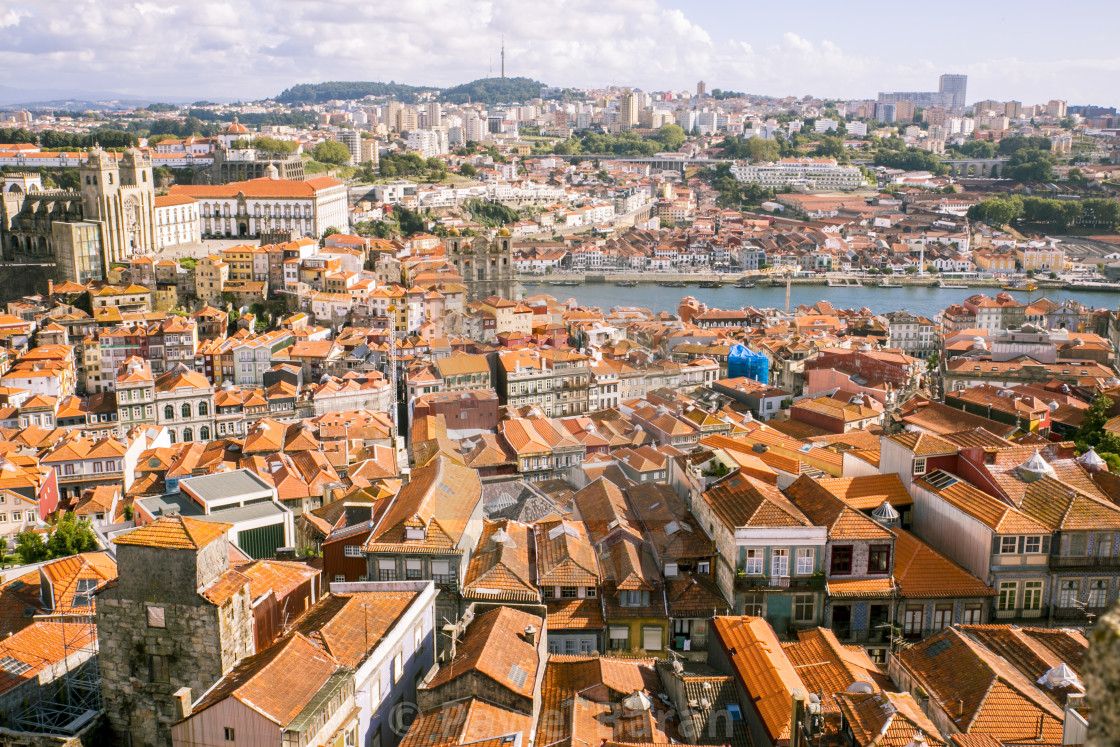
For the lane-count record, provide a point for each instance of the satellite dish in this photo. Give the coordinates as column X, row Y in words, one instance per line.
column 860, row 687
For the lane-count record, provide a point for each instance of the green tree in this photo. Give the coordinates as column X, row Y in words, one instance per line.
column 276, row 146
column 331, row 152
column 468, row 170
column 31, row 548
column 1075, row 175
column 671, row 136
column 71, row 536
column 1091, row 431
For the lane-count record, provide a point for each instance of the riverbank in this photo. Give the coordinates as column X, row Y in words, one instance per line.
column 921, row 300
column 731, row 278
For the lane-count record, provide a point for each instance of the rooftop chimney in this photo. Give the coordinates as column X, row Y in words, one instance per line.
column 183, row 702
column 530, row 634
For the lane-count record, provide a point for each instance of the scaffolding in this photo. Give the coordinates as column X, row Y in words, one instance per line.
column 71, row 700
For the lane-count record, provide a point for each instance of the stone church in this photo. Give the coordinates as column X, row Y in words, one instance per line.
column 109, row 219
column 485, row 266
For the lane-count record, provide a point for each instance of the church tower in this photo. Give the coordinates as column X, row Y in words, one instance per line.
column 136, row 169
column 101, row 181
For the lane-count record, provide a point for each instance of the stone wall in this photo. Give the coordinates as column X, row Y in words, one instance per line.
column 1102, row 680
column 142, row 666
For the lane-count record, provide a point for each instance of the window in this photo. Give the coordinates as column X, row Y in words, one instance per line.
column 1069, row 593
column 1102, row 545
column 1075, row 544
column 352, row 551
column 1008, row 595
column 704, row 567
column 590, row 592
column 942, row 616
column 670, row 570
column 203, row 409
column 633, row 598
column 1097, row 593
column 1008, row 545
column 374, row 693
column 971, row 615
column 920, row 466
column 398, row 666
column 168, row 413
column 1033, row 545
column 156, row 618
column 752, row 565
column 568, row 592
column 651, row 639
column 912, row 620
column 879, row 559
column 339, row 578
column 1032, row 595
column 418, row 637
column 804, row 608
column 204, row 433
column 619, row 639
column 188, row 435
column 157, row 669
column 413, row 569
column 569, row 646
column 185, row 409
column 230, row 734
column 779, row 563
column 842, row 560
column 805, row 557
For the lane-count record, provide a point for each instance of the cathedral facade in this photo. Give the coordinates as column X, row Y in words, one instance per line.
column 110, row 217
column 485, row 266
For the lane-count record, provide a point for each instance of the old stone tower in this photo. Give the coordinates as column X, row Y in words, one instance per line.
column 485, row 266
column 177, row 617
column 122, row 197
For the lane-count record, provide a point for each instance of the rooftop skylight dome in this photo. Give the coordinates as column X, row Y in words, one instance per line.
column 1034, row 468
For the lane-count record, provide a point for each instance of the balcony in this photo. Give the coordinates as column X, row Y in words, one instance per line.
column 1084, row 615
column 446, row 581
column 1084, row 561
column 778, row 583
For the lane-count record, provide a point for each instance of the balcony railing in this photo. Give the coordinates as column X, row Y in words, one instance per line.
column 1077, row 614
column 778, row 583
column 447, row 581
column 1085, row 561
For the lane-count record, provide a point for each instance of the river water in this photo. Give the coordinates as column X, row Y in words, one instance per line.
column 917, row 300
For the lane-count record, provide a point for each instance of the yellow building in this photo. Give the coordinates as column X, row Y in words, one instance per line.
column 994, row 261
column 210, row 278
column 240, row 261
column 1041, row 258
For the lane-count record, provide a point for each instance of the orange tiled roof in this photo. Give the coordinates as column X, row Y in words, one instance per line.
column 175, row 532
column 494, row 645
column 922, row 572
column 762, row 668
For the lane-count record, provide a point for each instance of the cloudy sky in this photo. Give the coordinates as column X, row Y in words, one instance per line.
column 246, row 49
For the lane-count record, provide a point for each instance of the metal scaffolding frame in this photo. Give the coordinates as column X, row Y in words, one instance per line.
column 75, row 698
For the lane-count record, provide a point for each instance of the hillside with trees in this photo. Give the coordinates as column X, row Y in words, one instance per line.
column 494, row 91
column 317, row 93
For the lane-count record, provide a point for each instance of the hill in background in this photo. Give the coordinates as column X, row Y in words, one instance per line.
column 483, row 91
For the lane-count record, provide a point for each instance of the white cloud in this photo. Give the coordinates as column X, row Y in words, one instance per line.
column 256, row 48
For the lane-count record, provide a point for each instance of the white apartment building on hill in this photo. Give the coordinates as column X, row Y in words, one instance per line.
column 803, row 173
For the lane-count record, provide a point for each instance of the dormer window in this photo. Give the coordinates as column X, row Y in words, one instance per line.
column 414, row 533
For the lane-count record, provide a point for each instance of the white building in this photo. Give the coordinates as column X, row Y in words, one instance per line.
column 244, row 209
column 424, row 142
column 177, row 221
column 804, row 173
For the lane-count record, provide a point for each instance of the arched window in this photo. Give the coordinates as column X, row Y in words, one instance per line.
column 186, row 409
column 169, row 413
column 172, row 434
column 204, row 433
column 188, row 435
column 203, row 410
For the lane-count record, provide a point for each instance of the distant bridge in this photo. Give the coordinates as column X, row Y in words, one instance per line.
column 977, row 168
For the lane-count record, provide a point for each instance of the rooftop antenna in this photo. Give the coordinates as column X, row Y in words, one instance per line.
column 503, row 55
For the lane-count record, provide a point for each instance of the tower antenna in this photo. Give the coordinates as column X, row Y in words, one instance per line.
column 503, row 55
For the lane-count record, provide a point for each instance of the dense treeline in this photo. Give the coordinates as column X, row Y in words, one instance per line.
column 911, row 159
column 732, row 192
column 490, row 213
column 668, row 138
column 494, row 91
column 1061, row 213
column 54, row 140
column 317, row 93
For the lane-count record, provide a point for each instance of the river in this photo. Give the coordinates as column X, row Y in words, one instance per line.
column 927, row 302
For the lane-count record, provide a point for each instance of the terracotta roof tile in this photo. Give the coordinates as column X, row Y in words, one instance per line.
column 922, row 572
column 175, row 532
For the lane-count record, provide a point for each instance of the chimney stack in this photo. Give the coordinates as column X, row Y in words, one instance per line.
column 183, row 702
column 531, row 635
